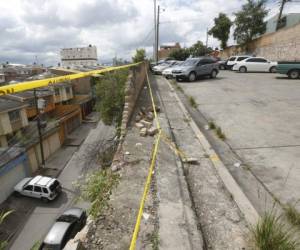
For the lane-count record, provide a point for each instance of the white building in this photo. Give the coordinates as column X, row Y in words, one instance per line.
column 85, row 56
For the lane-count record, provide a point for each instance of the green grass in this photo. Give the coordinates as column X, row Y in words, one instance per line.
column 36, row 245
column 220, row 134
column 293, row 215
column 155, row 240
column 272, row 234
column 98, row 188
column 193, row 102
column 211, row 125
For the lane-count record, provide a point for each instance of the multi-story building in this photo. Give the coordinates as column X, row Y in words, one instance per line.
column 84, row 56
column 12, row 119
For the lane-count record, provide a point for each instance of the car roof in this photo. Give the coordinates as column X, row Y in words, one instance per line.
column 41, row 180
column 75, row 211
column 56, row 233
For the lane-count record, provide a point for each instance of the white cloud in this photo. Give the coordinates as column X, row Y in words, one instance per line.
column 31, row 28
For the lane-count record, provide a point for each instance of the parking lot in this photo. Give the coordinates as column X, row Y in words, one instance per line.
column 259, row 114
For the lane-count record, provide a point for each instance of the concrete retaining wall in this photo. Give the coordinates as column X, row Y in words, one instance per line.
column 278, row 46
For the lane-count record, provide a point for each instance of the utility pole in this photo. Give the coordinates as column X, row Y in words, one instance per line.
column 157, row 33
column 206, row 37
column 280, row 12
column 154, row 46
column 39, row 127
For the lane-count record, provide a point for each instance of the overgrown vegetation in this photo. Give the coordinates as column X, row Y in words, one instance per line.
column 110, row 91
column 220, row 133
column 97, row 189
column 211, row 125
column 3, row 216
column 155, row 240
column 36, row 245
column 272, row 234
column 293, row 215
column 193, row 102
column 140, row 56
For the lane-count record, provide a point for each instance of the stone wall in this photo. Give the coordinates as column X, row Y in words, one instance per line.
column 135, row 82
column 278, row 46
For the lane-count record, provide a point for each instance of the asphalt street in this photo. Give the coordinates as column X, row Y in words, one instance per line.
column 43, row 215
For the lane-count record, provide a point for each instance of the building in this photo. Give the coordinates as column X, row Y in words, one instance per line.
column 287, row 21
column 84, row 56
column 13, row 118
column 165, row 50
column 63, row 92
column 2, row 78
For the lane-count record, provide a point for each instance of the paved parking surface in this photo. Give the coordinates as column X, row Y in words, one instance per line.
column 260, row 116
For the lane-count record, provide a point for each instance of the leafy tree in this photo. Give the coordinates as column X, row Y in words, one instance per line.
column 110, row 94
column 221, row 29
column 249, row 21
column 199, row 49
column 180, row 54
column 140, row 55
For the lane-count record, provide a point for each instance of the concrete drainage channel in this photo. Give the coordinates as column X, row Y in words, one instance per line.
column 217, row 200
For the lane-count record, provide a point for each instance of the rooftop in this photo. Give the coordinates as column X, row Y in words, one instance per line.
column 9, row 105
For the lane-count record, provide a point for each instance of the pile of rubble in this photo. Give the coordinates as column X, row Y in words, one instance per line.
column 145, row 121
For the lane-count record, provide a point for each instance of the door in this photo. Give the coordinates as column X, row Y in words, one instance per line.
column 262, row 65
column 202, row 67
column 37, row 192
column 28, row 190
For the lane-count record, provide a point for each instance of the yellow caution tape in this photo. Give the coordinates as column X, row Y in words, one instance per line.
column 150, row 173
column 18, row 87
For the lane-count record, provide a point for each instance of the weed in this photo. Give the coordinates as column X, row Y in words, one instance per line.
column 293, row 215
column 211, row 125
column 179, row 88
column 192, row 102
column 271, row 233
column 155, row 240
column 187, row 120
column 98, row 188
column 36, row 246
column 220, row 134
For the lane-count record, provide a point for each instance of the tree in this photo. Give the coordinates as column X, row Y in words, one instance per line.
column 140, row 55
column 180, row 54
column 249, row 21
column 221, row 29
column 199, row 49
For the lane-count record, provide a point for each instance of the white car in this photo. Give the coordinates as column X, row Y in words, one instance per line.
column 233, row 60
column 158, row 69
column 255, row 64
column 41, row 187
column 167, row 73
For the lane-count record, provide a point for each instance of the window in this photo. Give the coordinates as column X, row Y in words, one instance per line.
column 37, row 189
column 28, row 188
column 260, row 60
column 45, row 191
column 14, row 115
column 242, row 58
column 232, row 59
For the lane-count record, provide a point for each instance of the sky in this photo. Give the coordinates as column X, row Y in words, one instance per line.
column 36, row 30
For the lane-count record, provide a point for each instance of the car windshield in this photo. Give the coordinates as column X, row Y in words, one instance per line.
column 190, row 62
column 67, row 218
column 54, row 185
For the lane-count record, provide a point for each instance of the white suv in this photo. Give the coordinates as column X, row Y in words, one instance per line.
column 233, row 60
column 44, row 188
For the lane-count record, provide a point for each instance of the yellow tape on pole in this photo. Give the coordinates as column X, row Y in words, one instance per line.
column 18, row 87
column 150, row 173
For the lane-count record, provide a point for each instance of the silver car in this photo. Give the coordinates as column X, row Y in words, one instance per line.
column 192, row 68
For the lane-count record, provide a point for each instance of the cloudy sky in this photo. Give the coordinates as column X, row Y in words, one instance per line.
column 33, row 29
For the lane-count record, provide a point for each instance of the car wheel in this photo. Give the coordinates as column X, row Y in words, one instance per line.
column 192, row 77
column 273, row 69
column 243, row 69
column 17, row 194
column 44, row 199
column 178, row 79
column 213, row 74
column 294, row 74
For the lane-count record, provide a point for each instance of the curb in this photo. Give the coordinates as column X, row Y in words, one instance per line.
column 245, row 206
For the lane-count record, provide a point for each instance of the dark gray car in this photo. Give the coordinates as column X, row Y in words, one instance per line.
column 192, row 68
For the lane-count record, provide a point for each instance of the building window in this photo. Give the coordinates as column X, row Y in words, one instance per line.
column 14, row 115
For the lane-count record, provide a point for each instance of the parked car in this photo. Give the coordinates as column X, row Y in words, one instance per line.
column 255, row 64
column 292, row 69
column 41, row 187
column 153, row 64
column 233, row 60
column 64, row 229
column 191, row 68
column 168, row 71
column 158, row 69
column 222, row 64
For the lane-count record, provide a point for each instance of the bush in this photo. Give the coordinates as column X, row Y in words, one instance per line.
column 110, row 96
